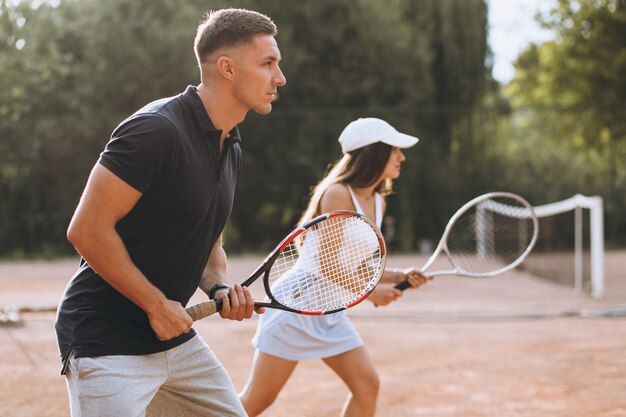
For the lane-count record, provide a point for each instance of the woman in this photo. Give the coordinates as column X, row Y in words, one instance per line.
column 358, row 182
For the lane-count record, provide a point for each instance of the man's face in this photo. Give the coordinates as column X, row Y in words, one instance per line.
column 257, row 74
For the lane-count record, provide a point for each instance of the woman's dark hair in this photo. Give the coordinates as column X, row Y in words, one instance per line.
column 365, row 167
column 359, row 168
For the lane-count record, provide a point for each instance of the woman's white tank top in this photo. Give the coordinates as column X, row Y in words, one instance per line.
column 379, row 206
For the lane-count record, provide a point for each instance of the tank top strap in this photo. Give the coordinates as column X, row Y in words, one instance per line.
column 354, row 200
column 378, row 201
column 379, row 210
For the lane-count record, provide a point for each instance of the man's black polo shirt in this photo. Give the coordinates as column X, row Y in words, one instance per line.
column 169, row 150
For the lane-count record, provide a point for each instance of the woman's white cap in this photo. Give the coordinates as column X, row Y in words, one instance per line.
column 368, row 130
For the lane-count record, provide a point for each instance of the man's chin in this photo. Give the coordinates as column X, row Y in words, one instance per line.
column 264, row 110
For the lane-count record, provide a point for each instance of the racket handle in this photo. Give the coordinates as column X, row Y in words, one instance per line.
column 202, row 310
column 403, row 285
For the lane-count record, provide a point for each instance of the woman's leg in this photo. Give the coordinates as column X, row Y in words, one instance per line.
column 356, row 369
column 268, row 377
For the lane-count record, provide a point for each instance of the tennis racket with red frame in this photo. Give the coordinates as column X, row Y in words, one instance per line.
column 489, row 235
column 329, row 264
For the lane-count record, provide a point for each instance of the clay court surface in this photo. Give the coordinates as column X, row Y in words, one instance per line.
column 512, row 346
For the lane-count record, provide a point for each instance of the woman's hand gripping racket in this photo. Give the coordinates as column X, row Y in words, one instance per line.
column 489, row 235
column 328, row 264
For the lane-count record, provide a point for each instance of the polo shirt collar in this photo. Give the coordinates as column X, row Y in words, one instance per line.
column 204, row 121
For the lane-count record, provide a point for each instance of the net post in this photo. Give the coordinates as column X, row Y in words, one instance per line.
column 597, row 247
column 596, row 234
column 578, row 249
column 480, row 231
column 484, row 221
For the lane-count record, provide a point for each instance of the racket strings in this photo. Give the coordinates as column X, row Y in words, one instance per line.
column 335, row 265
column 491, row 236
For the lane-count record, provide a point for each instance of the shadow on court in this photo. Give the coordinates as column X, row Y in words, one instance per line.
column 505, row 346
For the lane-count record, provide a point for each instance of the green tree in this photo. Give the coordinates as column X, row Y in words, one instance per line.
column 72, row 71
column 418, row 64
column 572, row 90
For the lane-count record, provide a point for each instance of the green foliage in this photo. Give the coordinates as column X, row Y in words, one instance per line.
column 65, row 86
column 409, row 62
column 570, row 95
column 71, row 72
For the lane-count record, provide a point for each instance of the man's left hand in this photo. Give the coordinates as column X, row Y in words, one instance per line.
column 237, row 303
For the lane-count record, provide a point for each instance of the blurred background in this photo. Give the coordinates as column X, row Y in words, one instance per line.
column 543, row 115
column 527, row 96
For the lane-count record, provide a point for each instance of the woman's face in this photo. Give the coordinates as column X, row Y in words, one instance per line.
column 392, row 169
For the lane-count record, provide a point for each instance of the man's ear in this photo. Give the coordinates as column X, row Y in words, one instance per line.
column 226, row 67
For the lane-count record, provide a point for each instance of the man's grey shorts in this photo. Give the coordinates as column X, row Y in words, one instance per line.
column 187, row 380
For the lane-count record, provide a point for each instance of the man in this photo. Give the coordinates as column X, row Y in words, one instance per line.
column 148, row 228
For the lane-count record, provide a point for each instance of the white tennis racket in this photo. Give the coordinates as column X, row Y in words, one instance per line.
column 489, row 235
column 329, row 264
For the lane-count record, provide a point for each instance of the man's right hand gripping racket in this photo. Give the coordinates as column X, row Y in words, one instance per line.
column 489, row 235
column 329, row 264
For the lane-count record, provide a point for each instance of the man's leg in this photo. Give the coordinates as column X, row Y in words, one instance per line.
column 114, row 386
column 197, row 385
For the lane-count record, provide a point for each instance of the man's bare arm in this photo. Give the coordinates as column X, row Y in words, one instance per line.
column 105, row 201
column 238, row 303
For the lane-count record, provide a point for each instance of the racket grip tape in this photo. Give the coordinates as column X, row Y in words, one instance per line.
column 403, row 285
column 205, row 309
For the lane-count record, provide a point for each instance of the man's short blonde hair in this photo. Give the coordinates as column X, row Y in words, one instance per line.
column 229, row 27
